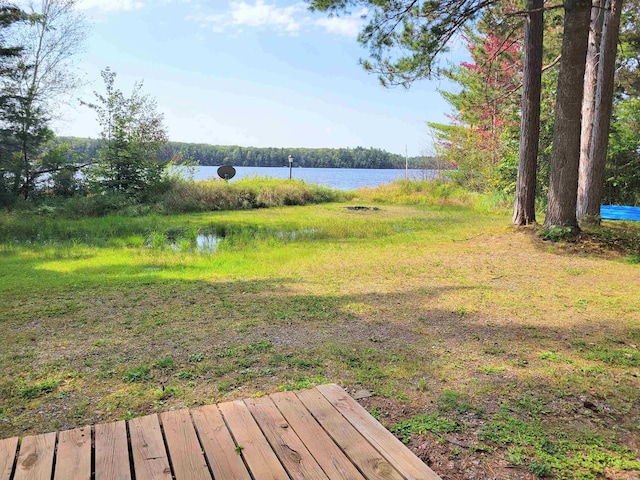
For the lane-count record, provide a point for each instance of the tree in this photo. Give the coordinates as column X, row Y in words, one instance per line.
column 133, row 134
column 405, row 37
column 524, row 209
column 9, row 16
column 485, row 112
column 42, row 75
column 590, row 200
column 565, row 157
column 589, row 98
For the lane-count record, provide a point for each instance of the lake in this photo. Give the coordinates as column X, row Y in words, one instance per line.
column 338, row 178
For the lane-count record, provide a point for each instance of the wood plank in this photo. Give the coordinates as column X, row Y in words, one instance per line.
column 150, row 460
column 35, row 461
column 332, row 460
column 218, row 444
column 73, row 461
column 185, row 452
column 294, row 456
column 361, row 453
column 8, row 450
column 112, row 451
column 384, row 441
column 255, row 449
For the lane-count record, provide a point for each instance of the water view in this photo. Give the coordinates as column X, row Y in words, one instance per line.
column 338, row 178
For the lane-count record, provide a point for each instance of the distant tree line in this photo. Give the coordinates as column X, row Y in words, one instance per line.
column 214, row 155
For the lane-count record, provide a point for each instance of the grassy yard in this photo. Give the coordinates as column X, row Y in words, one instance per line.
column 488, row 350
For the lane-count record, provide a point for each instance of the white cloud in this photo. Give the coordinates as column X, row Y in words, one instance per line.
column 266, row 15
column 289, row 19
column 348, row 26
column 258, row 15
column 110, row 5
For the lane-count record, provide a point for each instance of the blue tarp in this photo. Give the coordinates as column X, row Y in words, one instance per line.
column 617, row 212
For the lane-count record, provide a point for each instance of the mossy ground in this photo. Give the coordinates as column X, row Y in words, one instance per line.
column 490, row 351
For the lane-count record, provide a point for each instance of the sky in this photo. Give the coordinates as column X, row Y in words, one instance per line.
column 263, row 73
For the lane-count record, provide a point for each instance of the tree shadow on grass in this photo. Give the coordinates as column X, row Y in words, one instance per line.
column 262, row 335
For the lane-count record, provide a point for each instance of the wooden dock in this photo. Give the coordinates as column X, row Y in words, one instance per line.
column 321, row 433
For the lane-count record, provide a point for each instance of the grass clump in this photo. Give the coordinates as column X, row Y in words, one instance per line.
column 196, row 357
column 621, row 356
column 244, row 194
column 584, row 457
column 451, row 401
column 137, row 374
column 38, row 390
column 166, row 363
column 554, row 357
column 425, row 192
column 421, row 424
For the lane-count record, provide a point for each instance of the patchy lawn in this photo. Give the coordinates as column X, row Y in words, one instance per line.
column 492, row 353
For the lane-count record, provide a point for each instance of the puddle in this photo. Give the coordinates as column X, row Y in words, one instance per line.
column 209, row 242
column 205, row 243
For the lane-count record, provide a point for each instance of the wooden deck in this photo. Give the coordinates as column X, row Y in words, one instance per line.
column 320, row 433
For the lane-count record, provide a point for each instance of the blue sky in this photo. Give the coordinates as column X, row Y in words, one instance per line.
column 266, row 73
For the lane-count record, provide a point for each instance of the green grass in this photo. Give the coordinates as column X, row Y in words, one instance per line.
column 464, row 329
column 421, row 424
column 554, row 452
column 34, row 391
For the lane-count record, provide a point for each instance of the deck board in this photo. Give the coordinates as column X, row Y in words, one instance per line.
column 361, row 453
column 291, row 451
column 35, row 461
column 74, row 455
column 185, row 452
column 252, row 444
column 389, row 446
column 332, row 460
column 8, row 448
column 112, row 451
column 150, row 459
column 218, row 444
column 315, row 434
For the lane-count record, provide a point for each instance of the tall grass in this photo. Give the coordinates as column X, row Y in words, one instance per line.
column 410, row 192
column 187, row 196
column 244, row 194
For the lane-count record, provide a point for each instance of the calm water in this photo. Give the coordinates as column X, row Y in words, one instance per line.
column 339, row 178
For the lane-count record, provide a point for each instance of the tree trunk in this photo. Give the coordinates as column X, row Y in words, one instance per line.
column 565, row 157
column 589, row 100
column 524, row 209
column 603, row 108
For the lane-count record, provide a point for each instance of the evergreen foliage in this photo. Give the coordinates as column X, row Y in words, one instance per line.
column 132, row 136
column 215, row 155
column 35, row 70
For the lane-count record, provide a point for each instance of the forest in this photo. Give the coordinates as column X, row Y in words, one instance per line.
column 214, row 155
